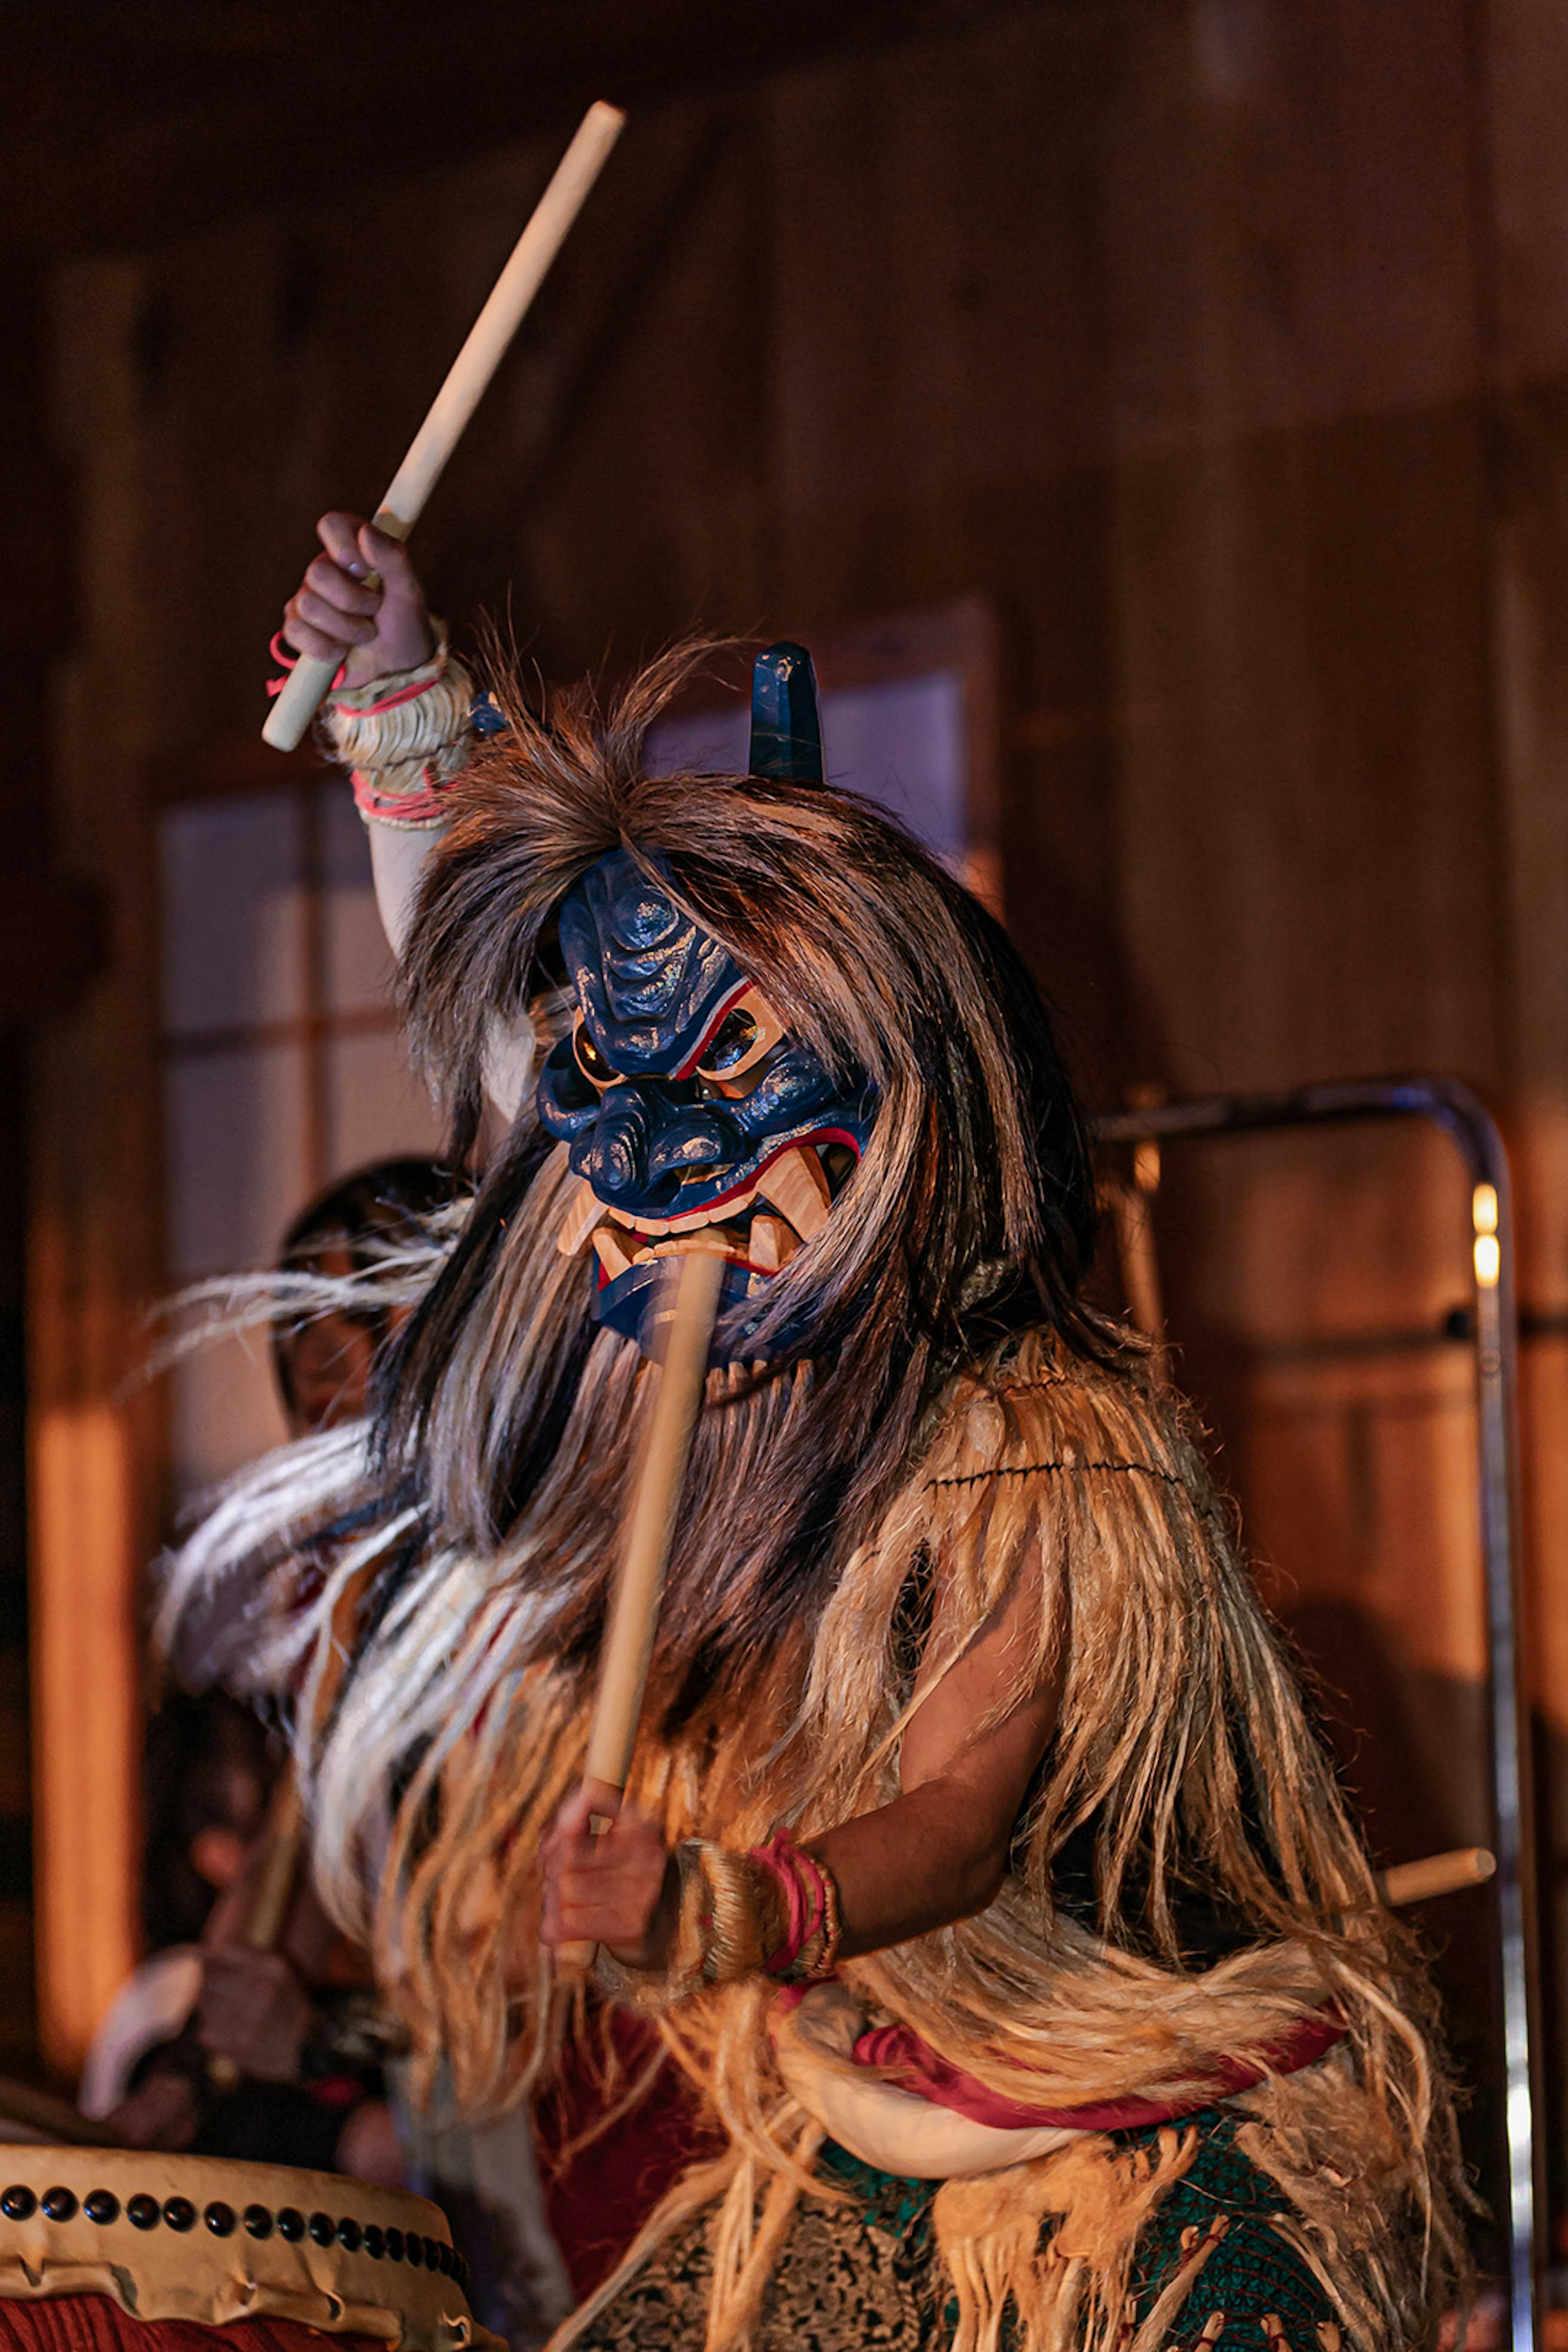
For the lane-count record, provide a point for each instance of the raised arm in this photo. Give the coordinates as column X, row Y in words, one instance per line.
column 361, row 605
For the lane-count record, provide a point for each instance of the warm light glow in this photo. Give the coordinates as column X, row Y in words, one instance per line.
column 1488, row 1260
column 1483, row 1208
column 85, row 1649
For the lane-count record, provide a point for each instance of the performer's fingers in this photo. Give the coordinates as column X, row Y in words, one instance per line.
column 607, row 1803
column 329, row 579
column 378, row 553
column 598, row 1922
column 349, row 628
column 589, row 1800
column 304, row 639
column 338, row 534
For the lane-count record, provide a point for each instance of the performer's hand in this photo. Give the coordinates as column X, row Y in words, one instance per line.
column 368, row 2147
column 343, row 611
column 162, row 2112
column 620, row 1889
column 254, row 2009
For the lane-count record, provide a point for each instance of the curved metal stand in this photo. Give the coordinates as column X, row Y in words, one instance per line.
column 1474, row 1132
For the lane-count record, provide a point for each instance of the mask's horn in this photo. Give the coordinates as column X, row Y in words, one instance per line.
column 786, row 733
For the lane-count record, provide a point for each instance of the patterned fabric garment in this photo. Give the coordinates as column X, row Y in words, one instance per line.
column 865, row 2274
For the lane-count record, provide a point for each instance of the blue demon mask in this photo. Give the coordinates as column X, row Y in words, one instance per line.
column 686, row 1103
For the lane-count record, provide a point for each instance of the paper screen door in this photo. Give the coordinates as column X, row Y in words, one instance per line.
column 282, row 1065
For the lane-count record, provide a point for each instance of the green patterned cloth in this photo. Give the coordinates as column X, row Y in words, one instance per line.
column 866, row 2274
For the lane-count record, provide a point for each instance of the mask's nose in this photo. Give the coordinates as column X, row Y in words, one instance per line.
column 642, row 1144
column 613, row 1155
column 692, row 1141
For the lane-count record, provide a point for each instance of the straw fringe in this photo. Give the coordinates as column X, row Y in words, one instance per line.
column 1178, row 1715
column 1165, row 1635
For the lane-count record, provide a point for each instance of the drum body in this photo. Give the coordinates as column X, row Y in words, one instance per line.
column 176, row 2242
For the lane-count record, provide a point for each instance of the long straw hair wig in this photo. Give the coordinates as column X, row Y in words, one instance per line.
column 969, row 1214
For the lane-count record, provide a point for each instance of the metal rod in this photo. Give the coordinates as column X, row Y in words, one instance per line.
column 1475, row 1134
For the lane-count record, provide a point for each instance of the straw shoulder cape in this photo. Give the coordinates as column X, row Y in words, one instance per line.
column 1185, row 1753
column 1184, row 1760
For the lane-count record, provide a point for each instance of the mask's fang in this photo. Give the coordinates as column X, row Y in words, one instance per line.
column 582, row 1214
column 612, row 1247
column 795, row 1183
column 771, row 1244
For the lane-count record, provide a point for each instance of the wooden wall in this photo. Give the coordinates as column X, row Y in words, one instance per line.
column 1223, row 345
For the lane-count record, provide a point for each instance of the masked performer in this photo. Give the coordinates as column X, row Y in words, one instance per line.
column 979, row 1863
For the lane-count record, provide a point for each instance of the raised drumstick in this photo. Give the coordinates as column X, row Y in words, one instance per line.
column 470, row 372
column 649, row 1533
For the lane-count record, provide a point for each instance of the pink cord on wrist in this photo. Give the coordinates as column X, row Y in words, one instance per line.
column 288, row 661
column 414, row 808
column 801, row 1884
column 403, row 694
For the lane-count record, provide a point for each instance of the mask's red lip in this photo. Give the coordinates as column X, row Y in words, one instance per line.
column 787, row 1195
column 614, row 1258
column 692, row 1218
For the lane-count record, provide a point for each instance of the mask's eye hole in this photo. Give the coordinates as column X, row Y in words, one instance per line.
column 743, row 1039
column 590, row 1061
column 735, row 1036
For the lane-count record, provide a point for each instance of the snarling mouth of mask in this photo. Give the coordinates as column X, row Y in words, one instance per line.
column 688, row 1107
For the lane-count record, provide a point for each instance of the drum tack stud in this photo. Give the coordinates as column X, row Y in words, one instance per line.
column 102, row 2207
column 19, row 2203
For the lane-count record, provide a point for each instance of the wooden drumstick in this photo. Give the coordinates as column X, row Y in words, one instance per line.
column 273, row 1893
column 469, row 373
column 1436, row 1873
column 648, row 1535
column 283, row 1837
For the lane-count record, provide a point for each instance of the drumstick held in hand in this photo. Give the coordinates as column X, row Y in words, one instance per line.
column 649, row 1533
column 274, row 1891
column 469, row 373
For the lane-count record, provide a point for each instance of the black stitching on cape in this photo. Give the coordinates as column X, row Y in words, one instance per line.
column 1029, row 1469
